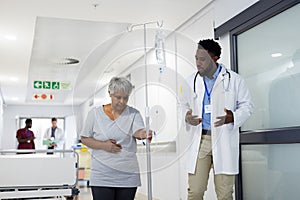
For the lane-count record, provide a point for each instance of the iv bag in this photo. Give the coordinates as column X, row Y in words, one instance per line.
column 160, row 47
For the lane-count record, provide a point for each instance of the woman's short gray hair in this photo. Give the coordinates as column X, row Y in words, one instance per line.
column 119, row 84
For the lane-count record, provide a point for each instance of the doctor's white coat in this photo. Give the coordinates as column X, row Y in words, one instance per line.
column 59, row 136
column 231, row 94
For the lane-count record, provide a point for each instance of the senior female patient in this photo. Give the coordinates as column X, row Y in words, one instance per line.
column 111, row 131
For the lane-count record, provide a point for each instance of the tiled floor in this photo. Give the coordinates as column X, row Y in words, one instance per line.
column 85, row 193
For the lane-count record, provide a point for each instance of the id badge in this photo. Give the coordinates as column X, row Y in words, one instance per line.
column 207, row 109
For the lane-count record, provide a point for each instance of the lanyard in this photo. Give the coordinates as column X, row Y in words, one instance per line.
column 206, row 88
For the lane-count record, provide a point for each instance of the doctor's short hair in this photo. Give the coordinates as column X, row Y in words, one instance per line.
column 119, row 84
column 53, row 119
column 211, row 46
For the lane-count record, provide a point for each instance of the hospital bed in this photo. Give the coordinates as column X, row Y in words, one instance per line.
column 33, row 174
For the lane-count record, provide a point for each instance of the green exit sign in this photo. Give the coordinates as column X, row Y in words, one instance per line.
column 54, row 85
column 38, row 84
column 46, row 85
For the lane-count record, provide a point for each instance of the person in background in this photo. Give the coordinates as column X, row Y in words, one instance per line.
column 25, row 136
column 54, row 136
column 111, row 131
column 221, row 104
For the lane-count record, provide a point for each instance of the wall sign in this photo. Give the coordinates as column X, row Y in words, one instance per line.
column 51, row 85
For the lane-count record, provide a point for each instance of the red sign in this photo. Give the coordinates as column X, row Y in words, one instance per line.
column 43, row 97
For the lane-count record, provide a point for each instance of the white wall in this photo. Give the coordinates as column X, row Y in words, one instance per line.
column 13, row 112
column 226, row 9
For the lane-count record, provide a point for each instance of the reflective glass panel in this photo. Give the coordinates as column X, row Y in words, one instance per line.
column 270, row 171
column 269, row 60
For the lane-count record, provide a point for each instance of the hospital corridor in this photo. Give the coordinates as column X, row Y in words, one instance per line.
column 149, row 100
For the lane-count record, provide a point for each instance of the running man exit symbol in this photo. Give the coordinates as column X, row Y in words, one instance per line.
column 46, row 84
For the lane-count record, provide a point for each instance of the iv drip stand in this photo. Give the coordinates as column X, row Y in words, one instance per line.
column 147, row 111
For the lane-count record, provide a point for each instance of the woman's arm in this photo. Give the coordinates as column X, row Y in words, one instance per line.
column 109, row 145
column 141, row 134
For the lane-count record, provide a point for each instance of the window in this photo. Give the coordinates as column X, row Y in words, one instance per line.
column 268, row 57
column 39, row 127
column 265, row 51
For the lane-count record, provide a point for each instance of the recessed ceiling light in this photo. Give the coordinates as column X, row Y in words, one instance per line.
column 275, row 55
column 10, row 37
column 67, row 61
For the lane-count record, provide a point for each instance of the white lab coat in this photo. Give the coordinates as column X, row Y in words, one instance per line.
column 232, row 95
column 59, row 136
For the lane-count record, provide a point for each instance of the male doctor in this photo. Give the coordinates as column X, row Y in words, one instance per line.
column 55, row 136
column 220, row 104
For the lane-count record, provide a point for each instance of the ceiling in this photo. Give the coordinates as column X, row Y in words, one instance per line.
column 72, row 42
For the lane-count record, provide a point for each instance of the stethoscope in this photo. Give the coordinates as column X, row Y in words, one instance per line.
column 224, row 74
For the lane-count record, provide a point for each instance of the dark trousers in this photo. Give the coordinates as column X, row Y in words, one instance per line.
column 50, row 148
column 113, row 193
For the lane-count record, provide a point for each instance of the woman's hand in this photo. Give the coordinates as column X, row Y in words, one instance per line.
column 141, row 135
column 112, row 146
column 108, row 145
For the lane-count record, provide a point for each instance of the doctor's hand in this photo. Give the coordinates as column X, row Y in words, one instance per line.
column 226, row 119
column 192, row 119
column 53, row 144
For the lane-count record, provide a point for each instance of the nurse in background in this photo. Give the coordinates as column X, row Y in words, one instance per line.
column 25, row 136
column 111, row 131
column 55, row 136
